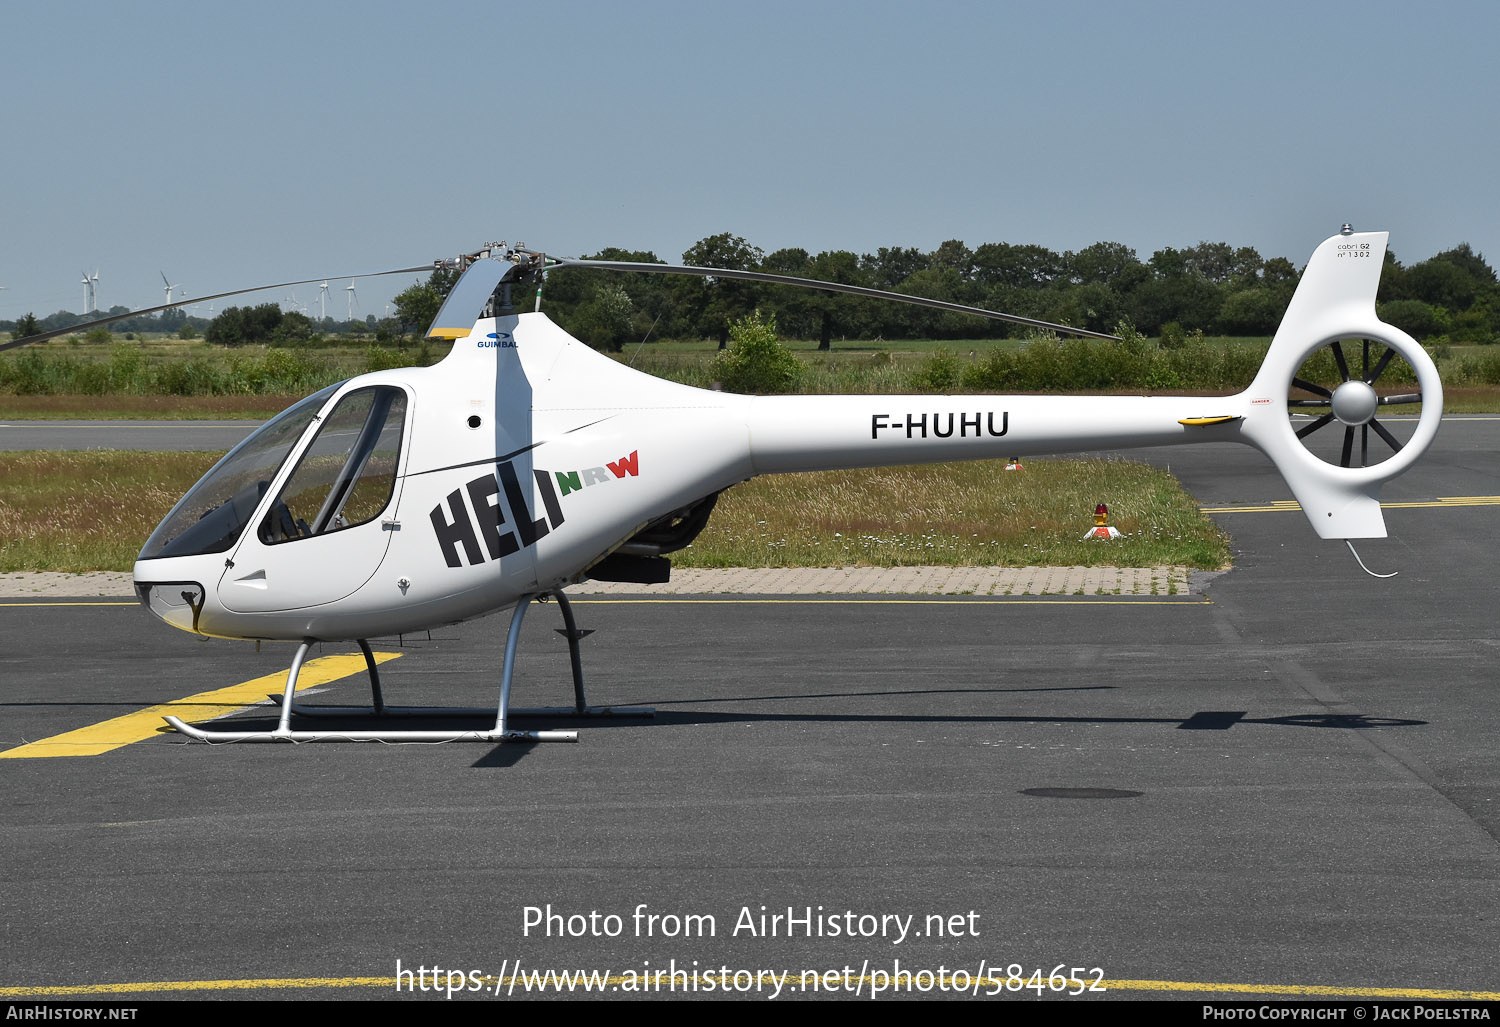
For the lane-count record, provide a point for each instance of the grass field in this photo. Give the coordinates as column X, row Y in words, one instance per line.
column 83, row 511
column 166, row 377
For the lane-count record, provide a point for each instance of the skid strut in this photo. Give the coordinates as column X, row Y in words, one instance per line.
column 501, row 732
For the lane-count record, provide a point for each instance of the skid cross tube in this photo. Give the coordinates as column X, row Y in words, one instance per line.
column 500, row 733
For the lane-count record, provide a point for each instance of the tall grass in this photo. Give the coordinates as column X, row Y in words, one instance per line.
column 1042, row 365
column 968, row 514
column 129, row 371
column 1050, row 365
column 963, row 514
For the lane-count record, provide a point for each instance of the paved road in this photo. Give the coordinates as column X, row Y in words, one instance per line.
column 1294, row 783
column 151, row 435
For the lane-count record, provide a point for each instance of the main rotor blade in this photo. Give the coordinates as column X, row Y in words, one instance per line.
column 468, row 297
column 813, row 283
column 86, row 325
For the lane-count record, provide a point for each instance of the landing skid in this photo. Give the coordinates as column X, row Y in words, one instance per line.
column 500, row 733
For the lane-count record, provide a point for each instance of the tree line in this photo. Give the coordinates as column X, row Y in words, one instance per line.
column 1212, row 287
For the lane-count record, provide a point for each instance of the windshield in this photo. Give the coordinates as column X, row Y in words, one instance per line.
column 210, row 518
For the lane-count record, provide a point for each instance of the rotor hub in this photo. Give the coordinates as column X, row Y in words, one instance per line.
column 1355, row 403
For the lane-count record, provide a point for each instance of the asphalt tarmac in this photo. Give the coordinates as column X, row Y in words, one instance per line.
column 1285, row 785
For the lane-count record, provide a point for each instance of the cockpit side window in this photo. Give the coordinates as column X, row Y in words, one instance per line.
column 347, row 475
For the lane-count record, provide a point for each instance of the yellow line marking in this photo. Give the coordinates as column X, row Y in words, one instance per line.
column 72, row 604
column 986, row 984
column 147, row 723
column 1123, row 600
column 1327, row 991
column 1281, row 505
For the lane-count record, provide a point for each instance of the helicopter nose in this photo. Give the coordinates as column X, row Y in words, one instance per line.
column 178, row 603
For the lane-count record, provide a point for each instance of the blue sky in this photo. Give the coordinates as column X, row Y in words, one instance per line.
column 234, row 144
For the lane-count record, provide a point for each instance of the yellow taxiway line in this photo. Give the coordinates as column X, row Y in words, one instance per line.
column 1282, row 505
column 1320, row 991
column 147, row 723
column 1063, row 599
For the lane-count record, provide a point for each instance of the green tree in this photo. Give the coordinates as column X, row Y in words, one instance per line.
column 888, row 267
column 756, row 360
column 835, row 311
column 1254, row 311
column 1419, row 320
column 417, row 306
column 25, row 327
column 1107, row 263
column 1441, row 283
column 294, row 329
column 1463, row 256
column 715, row 302
column 1024, row 266
column 243, row 326
column 954, row 256
column 604, row 319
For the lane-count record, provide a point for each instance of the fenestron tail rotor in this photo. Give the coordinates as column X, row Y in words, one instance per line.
column 1353, row 402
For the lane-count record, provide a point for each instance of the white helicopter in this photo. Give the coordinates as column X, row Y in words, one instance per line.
column 525, row 461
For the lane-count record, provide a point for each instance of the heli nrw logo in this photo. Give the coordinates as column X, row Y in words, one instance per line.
column 501, row 520
column 572, row 481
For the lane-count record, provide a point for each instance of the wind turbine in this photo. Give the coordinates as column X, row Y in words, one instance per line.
column 169, row 286
column 322, row 301
column 88, row 291
column 352, row 298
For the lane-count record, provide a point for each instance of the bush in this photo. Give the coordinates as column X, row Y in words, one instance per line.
column 756, row 360
column 941, row 372
column 1415, row 318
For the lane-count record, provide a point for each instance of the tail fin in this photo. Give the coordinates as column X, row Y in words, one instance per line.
column 1336, row 301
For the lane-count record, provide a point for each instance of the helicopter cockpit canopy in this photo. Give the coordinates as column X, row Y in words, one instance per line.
column 212, row 516
column 344, row 477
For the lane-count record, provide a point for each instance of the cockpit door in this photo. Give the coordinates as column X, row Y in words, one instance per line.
column 327, row 529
